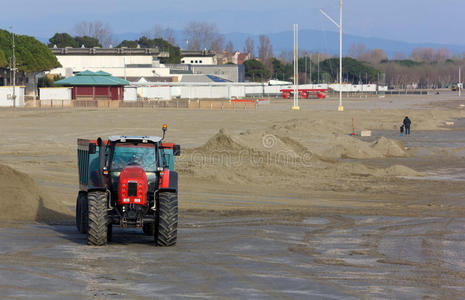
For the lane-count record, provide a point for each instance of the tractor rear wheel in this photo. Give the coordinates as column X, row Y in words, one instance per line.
column 166, row 219
column 98, row 218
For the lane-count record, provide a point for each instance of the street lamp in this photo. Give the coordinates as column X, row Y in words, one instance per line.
column 340, row 108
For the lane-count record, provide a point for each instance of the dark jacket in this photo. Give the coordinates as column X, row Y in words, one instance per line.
column 407, row 122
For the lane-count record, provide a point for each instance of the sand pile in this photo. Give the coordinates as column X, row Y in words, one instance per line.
column 338, row 147
column 389, row 148
column 222, row 141
column 251, row 142
column 398, row 171
column 261, row 158
column 248, row 157
column 22, row 199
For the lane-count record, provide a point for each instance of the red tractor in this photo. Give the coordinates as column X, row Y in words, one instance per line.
column 127, row 181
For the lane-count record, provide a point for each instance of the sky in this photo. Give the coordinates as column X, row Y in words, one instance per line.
column 416, row 21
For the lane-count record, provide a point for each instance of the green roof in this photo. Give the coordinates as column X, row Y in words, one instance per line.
column 92, row 78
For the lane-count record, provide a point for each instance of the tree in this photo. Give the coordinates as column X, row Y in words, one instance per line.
column 250, row 47
column 87, row 41
column 31, row 54
column 287, row 56
column 255, row 70
column 161, row 32
column 281, row 70
column 217, row 44
column 3, row 60
column 357, row 50
column 422, row 55
column 353, row 70
column 361, row 52
column 399, row 55
column 48, row 81
column 145, row 42
column 203, row 35
column 62, row 40
column 374, row 56
column 229, row 48
column 98, row 30
column 128, row 44
column 265, row 49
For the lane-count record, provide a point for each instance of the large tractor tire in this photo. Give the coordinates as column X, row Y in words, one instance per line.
column 98, row 219
column 166, row 219
column 81, row 212
column 78, row 212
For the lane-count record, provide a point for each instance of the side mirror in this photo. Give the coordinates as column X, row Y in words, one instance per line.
column 92, row 148
column 176, row 150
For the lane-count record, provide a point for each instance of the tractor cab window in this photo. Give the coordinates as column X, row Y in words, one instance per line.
column 134, row 154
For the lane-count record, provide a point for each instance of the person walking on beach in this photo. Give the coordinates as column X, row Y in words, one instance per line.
column 402, row 130
column 407, row 123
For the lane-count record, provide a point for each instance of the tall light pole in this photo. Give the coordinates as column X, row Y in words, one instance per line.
column 296, row 68
column 340, row 108
column 13, row 63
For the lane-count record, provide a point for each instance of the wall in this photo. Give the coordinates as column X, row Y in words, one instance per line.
column 228, row 90
column 62, row 93
column 228, row 72
column 5, row 96
column 130, row 93
column 354, row 87
column 156, row 92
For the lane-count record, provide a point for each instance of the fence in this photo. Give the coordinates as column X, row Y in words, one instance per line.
column 221, row 105
column 115, row 104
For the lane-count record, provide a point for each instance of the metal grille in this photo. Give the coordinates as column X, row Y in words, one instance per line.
column 132, row 189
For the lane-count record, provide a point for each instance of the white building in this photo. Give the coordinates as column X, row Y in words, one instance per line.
column 134, row 64
column 119, row 62
column 204, row 57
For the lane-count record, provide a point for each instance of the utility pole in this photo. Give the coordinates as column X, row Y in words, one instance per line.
column 460, row 81
column 340, row 108
column 13, row 62
column 318, row 79
column 311, row 79
column 296, row 68
column 305, row 67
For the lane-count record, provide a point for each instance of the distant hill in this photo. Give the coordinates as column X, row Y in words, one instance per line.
column 311, row 40
column 328, row 41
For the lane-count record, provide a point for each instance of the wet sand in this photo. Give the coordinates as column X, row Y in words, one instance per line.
column 340, row 227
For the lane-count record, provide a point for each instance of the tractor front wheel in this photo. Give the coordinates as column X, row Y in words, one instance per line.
column 98, row 219
column 81, row 212
column 78, row 212
column 166, row 219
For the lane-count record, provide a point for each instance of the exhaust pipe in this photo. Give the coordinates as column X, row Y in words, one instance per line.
column 101, row 160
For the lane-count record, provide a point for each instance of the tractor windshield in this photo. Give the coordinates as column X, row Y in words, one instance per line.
column 137, row 154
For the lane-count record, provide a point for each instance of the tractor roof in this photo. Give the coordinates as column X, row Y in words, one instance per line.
column 122, row 138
